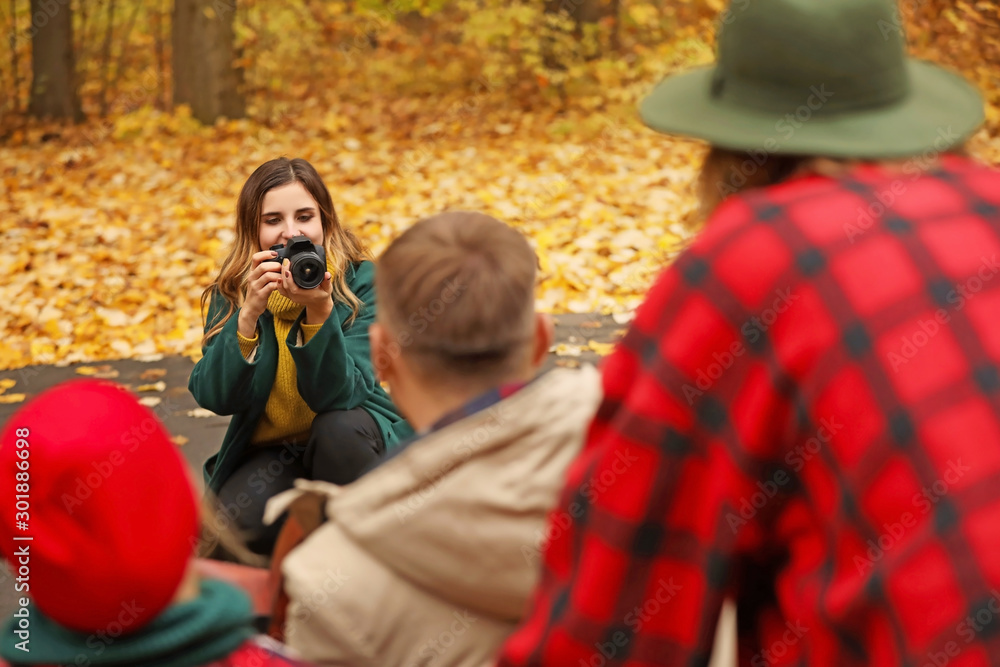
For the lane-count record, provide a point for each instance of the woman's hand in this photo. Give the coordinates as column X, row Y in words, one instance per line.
column 265, row 277
column 318, row 301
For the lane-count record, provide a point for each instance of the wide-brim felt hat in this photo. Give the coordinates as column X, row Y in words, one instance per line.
column 817, row 77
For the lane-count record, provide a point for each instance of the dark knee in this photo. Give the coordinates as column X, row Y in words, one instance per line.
column 342, row 444
column 335, row 424
column 347, row 430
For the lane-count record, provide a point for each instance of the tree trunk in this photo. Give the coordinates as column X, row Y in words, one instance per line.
column 106, row 58
column 159, row 16
column 80, row 38
column 203, row 72
column 16, row 89
column 120, row 64
column 584, row 11
column 53, row 70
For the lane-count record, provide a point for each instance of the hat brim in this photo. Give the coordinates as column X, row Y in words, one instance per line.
column 941, row 111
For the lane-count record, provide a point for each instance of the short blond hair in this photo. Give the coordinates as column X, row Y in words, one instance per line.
column 457, row 293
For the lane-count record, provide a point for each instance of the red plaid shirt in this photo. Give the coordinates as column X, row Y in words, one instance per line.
column 804, row 416
column 259, row 651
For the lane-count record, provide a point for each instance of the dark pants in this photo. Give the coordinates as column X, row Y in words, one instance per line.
column 342, row 444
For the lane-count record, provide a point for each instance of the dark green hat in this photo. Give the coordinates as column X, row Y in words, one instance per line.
column 816, row 77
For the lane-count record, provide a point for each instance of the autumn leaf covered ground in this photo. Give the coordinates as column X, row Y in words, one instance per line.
column 114, row 243
column 112, row 229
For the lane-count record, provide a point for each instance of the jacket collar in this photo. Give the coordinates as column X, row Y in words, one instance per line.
column 482, row 402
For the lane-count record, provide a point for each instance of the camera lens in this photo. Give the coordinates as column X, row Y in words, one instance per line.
column 307, row 270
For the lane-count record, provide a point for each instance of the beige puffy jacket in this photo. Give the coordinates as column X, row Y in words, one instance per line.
column 430, row 559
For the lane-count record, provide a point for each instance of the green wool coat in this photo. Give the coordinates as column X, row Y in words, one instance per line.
column 334, row 372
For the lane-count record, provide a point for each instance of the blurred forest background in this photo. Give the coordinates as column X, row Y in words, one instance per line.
column 127, row 129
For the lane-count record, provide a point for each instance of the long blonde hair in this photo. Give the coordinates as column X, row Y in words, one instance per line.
column 342, row 246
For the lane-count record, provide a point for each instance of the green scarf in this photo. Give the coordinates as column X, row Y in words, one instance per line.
column 198, row 632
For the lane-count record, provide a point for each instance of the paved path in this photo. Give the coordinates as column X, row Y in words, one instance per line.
column 578, row 340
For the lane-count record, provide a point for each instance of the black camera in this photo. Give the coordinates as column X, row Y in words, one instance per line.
column 307, row 261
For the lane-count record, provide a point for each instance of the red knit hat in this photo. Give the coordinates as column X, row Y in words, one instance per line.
column 110, row 509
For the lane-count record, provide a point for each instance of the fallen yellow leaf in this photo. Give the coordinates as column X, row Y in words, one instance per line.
column 179, row 440
column 603, row 349
column 11, row 398
column 153, row 374
column 104, row 372
column 156, row 386
column 567, row 350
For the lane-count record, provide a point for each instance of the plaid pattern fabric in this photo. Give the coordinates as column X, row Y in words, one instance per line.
column 805, row 416
column 260, row 651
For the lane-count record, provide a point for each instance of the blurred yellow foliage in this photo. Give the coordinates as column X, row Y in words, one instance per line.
column 113, row 228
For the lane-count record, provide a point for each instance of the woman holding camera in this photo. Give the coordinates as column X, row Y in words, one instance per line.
column 286, row 350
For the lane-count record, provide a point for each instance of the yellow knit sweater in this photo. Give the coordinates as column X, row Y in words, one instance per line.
column 286, row 415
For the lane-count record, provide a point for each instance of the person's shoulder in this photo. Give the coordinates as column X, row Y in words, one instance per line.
column 959, row 165
column 980, row 179
column 365, row 269
column 816, row 209
column 756, row 216
column 360, row 278
column 360, row 273
column 217, row 306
